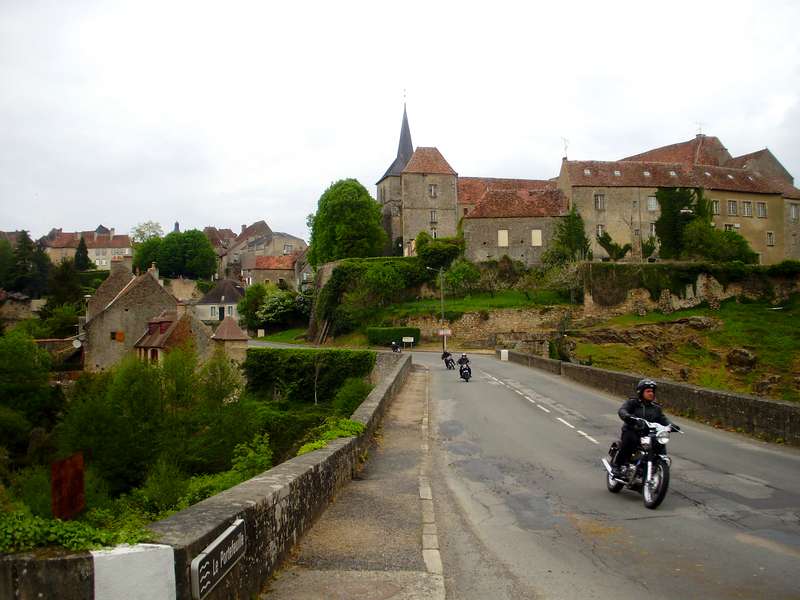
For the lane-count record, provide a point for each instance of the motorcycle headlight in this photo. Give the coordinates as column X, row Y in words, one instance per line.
column 663, row 437
column 645, row 442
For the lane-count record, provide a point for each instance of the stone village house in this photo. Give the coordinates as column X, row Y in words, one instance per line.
column 752, row 194
column 103, row 245
column 281, row 270
column 254, row 240
column 220, row 302
column 172, row 330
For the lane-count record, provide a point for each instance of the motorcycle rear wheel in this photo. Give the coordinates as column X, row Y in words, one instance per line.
column 655, row 490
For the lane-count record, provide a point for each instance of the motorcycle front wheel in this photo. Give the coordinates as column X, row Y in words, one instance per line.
column 654, row 490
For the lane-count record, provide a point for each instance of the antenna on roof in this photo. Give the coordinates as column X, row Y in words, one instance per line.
column 699, row 127
column 566, row 145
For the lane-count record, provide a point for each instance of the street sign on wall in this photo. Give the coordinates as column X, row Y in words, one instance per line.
column 443, row 332
column 213, row 563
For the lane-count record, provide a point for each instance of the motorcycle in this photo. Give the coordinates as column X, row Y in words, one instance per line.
column 465, row 372
column 449, row 363
column 395, row 348
column 648, row 471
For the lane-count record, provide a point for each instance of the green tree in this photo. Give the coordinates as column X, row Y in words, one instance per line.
column 31, row 267
column 146, row 231
column 462, row 276
column 649, row 246
column 64, row 286
column 6, row 264
column 279, row 308
column 170, row 256
column 199, row 258
column 82, row 262
column 614, row 250
column 677, row 211
column 703, row 241
column 569, row 243
column 347, row 224
column 24, row 369
column 251, row 302
column 146, row 253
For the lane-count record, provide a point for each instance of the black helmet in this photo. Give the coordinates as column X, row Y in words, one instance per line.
column 645, row 384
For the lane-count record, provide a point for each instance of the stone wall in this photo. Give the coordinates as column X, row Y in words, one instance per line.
column 278, row 507
column 768, row 419
column 480, row 238
column 482, row 329
column 183, row 289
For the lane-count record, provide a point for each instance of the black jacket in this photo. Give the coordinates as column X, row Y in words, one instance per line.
column 633, row 407
column 463, row 361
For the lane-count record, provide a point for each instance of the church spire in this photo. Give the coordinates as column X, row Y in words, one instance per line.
column 404, row 149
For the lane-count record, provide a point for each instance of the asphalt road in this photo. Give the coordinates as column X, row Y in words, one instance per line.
column 523, row 510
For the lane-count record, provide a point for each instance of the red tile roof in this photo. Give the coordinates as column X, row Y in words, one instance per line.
column 520, row 203
column 429, row 161
column 284, row 262
column 702, row 150
column 229, row 331
column 71, row 240
column 472, row 189
column 658, row 174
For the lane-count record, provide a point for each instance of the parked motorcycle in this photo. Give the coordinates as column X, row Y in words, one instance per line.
column 648, row 471
column 465, row 372
column 449, row 363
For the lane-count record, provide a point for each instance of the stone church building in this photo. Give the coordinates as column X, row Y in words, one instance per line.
column 752, row 194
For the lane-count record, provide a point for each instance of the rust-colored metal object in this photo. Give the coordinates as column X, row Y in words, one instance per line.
column 66, row 485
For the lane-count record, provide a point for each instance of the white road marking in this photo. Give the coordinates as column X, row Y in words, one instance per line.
column 565, row 423
column 547, row 410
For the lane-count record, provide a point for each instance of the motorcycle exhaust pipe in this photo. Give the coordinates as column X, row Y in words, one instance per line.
column 607, row 465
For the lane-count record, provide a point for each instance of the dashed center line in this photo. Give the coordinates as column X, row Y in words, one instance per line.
column 565, row 422
column 588, row 437
column 547, row 410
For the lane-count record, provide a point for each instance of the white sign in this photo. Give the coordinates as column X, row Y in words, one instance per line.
column 408, row 340
column 445, row 332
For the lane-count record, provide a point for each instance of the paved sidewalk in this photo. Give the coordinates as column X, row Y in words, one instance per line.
column 378, row 539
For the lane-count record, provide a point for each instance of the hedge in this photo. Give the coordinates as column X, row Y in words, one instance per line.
column 383, row 336
column 290, row 373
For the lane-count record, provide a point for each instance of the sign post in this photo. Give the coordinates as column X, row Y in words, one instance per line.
column 66, row 487
column 408, row 340
column 213, row 563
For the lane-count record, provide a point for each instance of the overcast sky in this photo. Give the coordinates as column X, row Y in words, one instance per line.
column 224, row 113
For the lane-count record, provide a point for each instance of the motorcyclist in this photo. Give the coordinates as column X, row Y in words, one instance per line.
column 643, row 406
column 463, row 360
column 395, row 347
column 446, row 355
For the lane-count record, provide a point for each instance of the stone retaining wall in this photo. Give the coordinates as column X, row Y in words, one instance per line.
column 278, row 507
column 768, row 419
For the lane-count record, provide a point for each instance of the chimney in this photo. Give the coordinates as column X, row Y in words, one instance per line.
column 243, row 228
column 95, row 235
column 153, row 270
column 181, row 309
column 111, row 234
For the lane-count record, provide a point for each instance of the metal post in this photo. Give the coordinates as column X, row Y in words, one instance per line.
column 441, row 292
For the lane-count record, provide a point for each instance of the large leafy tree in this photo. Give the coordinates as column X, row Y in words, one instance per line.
column 570, row 243
column 146, row 231
column 347, row 224
column 64, row 285
column 199, row 258
column 31, row 268
column 6, row 264
column 147, row 253
column 82, row 262
column 179, row 254
column 677, row 211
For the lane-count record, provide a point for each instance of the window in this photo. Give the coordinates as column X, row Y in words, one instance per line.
column 213, row 312
column 434, row 233
column 770, row 238
column 432, row 190
column 600, row 201
column 502, row 238
column 637, row 233
column 747, row 209
column 646, row 173
column 466, row 210
column 673, row 174
column 433, row 216
column 652, row 203
column 715, row 207
column 600, row 230
column 617, row 174
column 383, row 194
column 113, row 336
column 287, row 248
column 761, row 208
column 794, row 212
column 728, row 226
column 230, row 310
column 652, row 230
column 587, row 172
column 536, row 237
column 732, row 207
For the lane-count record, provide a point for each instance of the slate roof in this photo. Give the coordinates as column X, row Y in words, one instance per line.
column 702, row 150
column 404, row 150
column 108, row 290
column 229, row 331
column 231, row 290
column 430, row 161
column 520, row 203
column 472, row 189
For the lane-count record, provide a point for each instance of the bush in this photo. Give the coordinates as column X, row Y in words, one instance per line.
column 462, row 277
column 331, row 429
column 350, row 396
column 383, row 336
column 32, row 487
column 254, row 457
column 297, row 374
column 164, row 486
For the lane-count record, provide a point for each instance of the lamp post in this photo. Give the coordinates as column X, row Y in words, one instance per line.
column 441, row 295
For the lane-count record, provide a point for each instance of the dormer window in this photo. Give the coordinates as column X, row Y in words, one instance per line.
column 730, row 176
column 673, row 174
column 617, row 174
column 587, row 172
column 708, row 174
column 646, row 173
column 750, row 178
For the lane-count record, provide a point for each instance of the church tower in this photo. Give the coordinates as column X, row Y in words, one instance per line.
column 390, row 190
